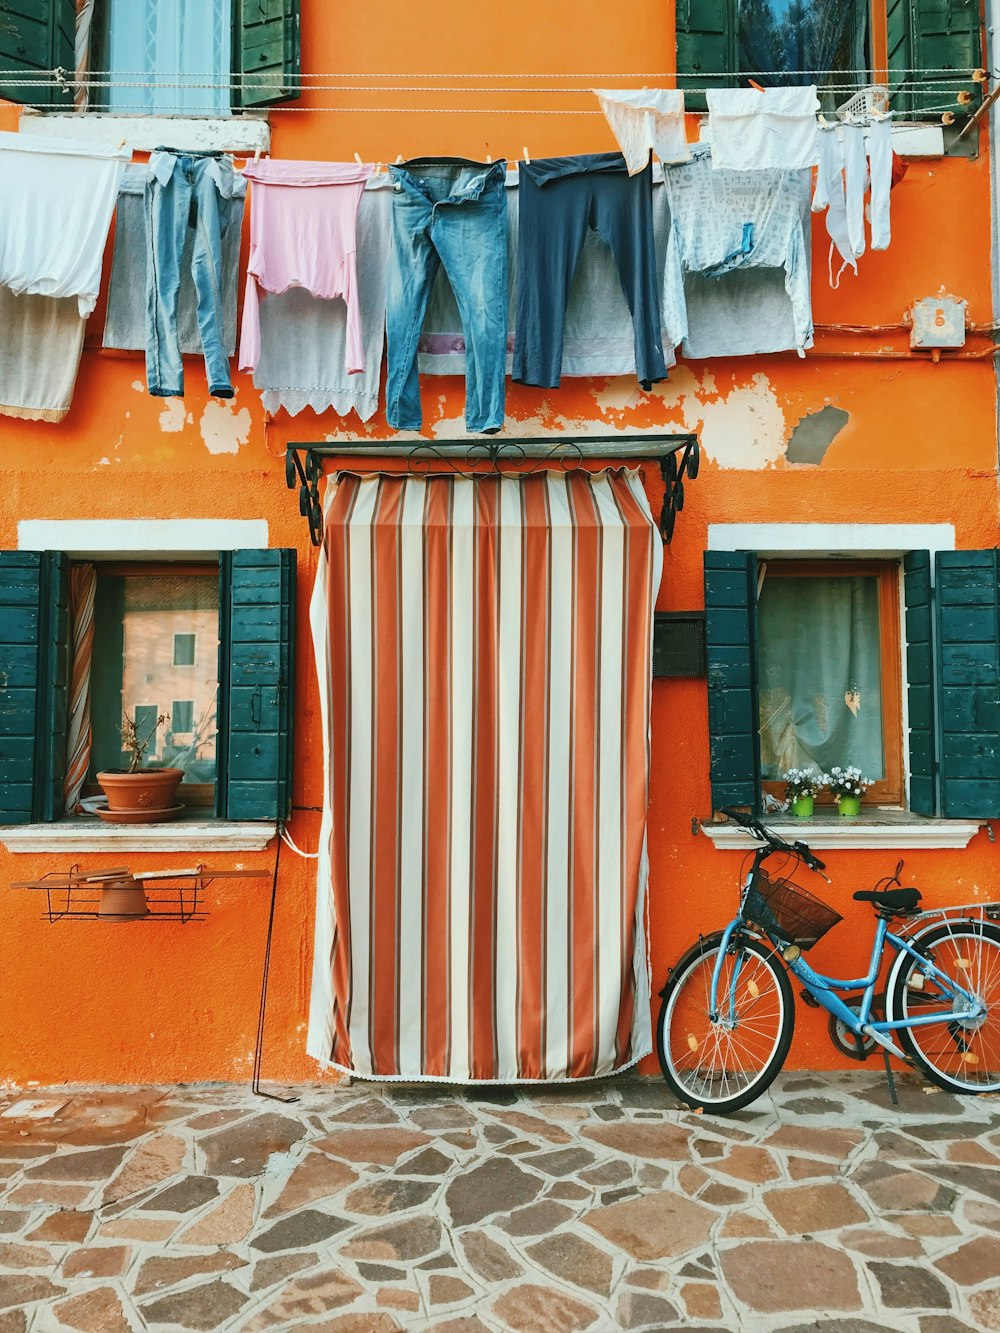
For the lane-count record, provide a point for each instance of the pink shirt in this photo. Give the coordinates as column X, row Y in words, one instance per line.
column 303, row 234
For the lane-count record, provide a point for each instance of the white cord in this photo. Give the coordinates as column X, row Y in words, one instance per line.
column 308, row 856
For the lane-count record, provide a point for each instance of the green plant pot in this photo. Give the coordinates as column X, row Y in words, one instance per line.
column 849, row 806
column 802, row 806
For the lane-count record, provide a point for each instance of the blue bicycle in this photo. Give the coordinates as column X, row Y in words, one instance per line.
column 728, row 1013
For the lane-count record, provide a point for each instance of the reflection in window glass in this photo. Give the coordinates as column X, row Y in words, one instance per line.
column 786, row 39
column 184, row 649
column 820, row 674
column 157, row 611
column 172, row 46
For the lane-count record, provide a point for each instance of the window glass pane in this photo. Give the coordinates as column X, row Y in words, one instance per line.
column 173, row 45
column 820, row 674
column 780, row 38
column 184, row 649
column 156, row 615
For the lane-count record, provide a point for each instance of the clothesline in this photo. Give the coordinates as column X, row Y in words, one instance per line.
column 160, row 84
column 25, row 75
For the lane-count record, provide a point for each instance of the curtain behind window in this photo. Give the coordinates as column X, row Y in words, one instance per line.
column 175, row 44
column 820, row 674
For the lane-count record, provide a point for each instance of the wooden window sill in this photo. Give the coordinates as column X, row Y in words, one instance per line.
column 244, row 133
column 876, row 829
column 194, row 831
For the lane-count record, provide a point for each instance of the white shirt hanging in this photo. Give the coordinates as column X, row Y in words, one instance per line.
column 646, row 120
column 773, row 130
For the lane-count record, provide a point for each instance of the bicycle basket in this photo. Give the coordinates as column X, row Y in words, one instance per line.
column 788, row 912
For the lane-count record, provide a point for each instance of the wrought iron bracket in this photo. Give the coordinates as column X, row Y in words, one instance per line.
column 678, row 457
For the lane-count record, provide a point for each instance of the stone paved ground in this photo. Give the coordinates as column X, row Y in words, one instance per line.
column 363, row 1209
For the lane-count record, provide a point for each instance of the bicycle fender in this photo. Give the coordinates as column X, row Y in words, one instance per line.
column 695, row 948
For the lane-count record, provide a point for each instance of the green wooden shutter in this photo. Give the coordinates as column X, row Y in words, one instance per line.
column 706, row 45
column 36, row 36
column 968, row 623
column 939, row 36
column 266, row 55
column 731, row 654
column 34, row 649
column 917, row 596
column 256, row 684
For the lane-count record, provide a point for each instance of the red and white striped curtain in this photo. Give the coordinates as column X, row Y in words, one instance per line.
column 484, row 655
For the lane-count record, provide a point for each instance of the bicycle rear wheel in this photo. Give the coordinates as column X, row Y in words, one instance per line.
column 724, row 1065
column 960, row 1054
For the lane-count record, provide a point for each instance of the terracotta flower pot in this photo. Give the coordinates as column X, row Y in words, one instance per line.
column 149, row 790
column 123, row 900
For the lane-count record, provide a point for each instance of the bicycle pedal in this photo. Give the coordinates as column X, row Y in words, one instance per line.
column 808, row 998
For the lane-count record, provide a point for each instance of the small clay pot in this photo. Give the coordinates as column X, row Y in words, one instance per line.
column 122, row 900
column 148, row 789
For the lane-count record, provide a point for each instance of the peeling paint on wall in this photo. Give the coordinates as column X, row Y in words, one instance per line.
column 742, row 429
column 172, row 415
column 222, row 429
column 814, row 433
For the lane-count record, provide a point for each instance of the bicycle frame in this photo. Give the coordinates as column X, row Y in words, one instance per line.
column 824, row 988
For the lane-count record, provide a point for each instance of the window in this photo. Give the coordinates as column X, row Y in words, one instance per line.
column 237, row 703
column 184, row 645
column 769, row 687
column 182, row 716
column 146, row 717
column 172, row 45
column 829, row 671
column 839, row 41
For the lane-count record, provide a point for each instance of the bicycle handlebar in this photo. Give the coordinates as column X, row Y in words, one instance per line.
column 754, row 826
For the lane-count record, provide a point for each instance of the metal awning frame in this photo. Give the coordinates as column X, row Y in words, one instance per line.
column 678, row 457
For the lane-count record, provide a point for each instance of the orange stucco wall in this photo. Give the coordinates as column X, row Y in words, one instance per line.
column 170, row 1002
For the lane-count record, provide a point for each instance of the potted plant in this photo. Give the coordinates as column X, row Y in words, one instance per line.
column 848, row 785
column 801, row 788
column 136, row 794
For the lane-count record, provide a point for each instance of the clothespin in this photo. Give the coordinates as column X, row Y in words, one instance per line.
column 489, row 157
column 357, row 158
column 379, row 168
column 754, row 84
column 526, row 157
column 399, row 158
column 121, row 145
column 256, row 156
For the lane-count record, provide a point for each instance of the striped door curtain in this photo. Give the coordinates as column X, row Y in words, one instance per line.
column 484, row 654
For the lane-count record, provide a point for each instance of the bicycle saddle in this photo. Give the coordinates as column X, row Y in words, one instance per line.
column 890, row 900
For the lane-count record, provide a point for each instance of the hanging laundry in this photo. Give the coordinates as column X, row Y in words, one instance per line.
column 848, row 168
column 58, row 200
column 125, row 325
column 560, row 197
column 598, row 337
column 736, row 279
column 39, row 354
column 303, row 233
column 303, row 338
column 773, row 130
column 646, row 120
column 185, row 192
column 450, row 212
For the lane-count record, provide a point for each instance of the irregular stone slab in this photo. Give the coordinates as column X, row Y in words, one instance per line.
column 637, row 1309
column 137, row 1228
column 982, row 1214
column 971, row 1178
column 316, row 1177
column 443, row 1117
column 608, row 1173
column 305, row 1296
column 445, row 1290
column 808, row 1208
column 18, row 1289
column 97, row 1311
column 745, row 1224
column 701, row 1300
column 533, row 1124
column 228, row 1224
column 13, row 1256
column 153, row 1162
column 381, row 1146
column 413, row 1239
column 188, row 1194
column 487, row 1258
column 11, row 1220
column 533, row 1309
column 723, row 1196
column 754, row 1165
column 880, row 1244
column 399, row 1300
column 643, row 1142
column 368, row 1111
column 466, row 1324
column 204, row 1307
column 267, row 1272
column 574, row 1260
column 562, row 1162
column 908, row 1287
column 809, row 1168
column 535, row 1219
column 96, row 1165
column 389, row 1195
column 97, row 1261
column 835, row 1326
column 170, row 1270
column 945, row 1323
column 376, row 1322
column 984, row 1306
column 243, row 1149
column 300, row 1230
column 655, row 1226
column 214, row 1119
column 497, row 1186
column 768, row 1276
column 381, row 1272
column 430, row 1162
column 904, row 1191
column 55, row 1196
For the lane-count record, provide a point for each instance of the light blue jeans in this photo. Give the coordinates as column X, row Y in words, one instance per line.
column 186, row 190
column 453, row 212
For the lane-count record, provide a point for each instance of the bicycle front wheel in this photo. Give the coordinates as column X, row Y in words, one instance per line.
column 724, row 1064
column 962, row 1051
